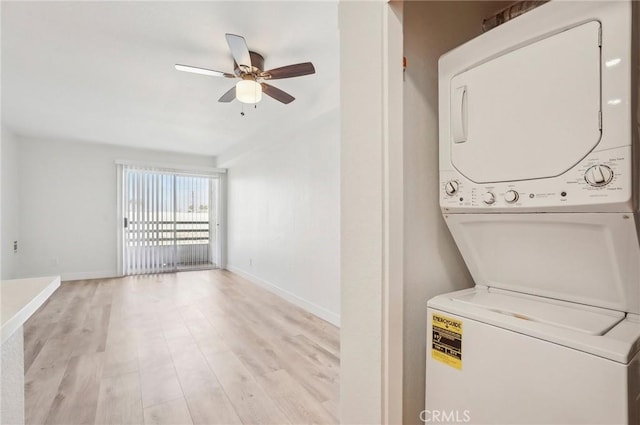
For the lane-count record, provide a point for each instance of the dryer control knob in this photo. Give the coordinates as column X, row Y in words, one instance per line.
column 599, row 175
column 489, row 198
column 511, row 196
column 451, row 187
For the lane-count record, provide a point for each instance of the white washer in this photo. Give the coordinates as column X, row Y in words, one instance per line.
column 539, row 178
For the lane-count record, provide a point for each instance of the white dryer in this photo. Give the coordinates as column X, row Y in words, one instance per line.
column 539, row 177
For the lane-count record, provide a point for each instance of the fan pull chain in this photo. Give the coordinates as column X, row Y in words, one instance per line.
column 255, row 94
column 242, row 109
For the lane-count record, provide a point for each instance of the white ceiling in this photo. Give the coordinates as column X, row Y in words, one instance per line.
column 103, row 71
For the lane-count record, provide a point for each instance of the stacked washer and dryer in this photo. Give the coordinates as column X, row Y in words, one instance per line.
column 539, row 174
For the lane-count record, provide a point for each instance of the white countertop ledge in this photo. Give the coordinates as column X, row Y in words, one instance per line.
column 20, row 298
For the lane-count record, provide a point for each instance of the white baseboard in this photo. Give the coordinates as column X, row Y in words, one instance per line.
column 312, row 308
column 65, row 277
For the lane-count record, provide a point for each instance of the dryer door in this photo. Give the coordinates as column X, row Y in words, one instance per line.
column 533, row 112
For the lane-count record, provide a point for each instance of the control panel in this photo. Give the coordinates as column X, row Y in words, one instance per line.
column 601, row 178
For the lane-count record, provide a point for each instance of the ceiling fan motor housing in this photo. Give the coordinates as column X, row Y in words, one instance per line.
column 257, row 64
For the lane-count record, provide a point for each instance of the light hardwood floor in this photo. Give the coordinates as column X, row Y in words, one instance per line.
column 205, row 347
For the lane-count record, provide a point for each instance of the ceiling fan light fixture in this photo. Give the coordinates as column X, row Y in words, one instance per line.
column 248, row 91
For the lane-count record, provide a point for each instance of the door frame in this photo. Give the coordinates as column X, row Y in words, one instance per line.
column 221, row 173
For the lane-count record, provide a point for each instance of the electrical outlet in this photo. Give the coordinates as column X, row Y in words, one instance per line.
column 15, row 247
column 251, row 261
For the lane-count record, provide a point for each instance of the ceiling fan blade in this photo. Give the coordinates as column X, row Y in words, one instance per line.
column 228, row 96
column 277, row 94
column 239, row 50
column 203, row 71
column 289, row 71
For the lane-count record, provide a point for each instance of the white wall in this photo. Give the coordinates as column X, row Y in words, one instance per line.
column 68, row 205
column 12, row 374
column 432, row 263
column 371, row 212
column 284, row 216
column 361, row 343
column 10, row 203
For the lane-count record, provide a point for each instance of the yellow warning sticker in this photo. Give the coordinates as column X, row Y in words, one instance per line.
column 446, row 340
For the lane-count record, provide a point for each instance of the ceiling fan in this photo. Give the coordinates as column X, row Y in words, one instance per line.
column 248, row 67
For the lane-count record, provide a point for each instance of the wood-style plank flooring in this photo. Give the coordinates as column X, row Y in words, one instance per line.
column 204, row 347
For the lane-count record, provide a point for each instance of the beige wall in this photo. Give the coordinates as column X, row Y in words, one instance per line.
column 432, row 263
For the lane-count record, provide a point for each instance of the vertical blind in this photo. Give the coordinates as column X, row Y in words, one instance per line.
column 170, row 220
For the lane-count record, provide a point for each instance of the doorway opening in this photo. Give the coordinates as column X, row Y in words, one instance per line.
column 170, row 220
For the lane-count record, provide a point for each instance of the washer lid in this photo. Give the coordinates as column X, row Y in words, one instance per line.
column 586, row 258
column 601, row 332
column 533, row 112
column 562, row 315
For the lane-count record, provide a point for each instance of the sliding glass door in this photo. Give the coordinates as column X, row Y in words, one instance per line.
column 170, row 220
